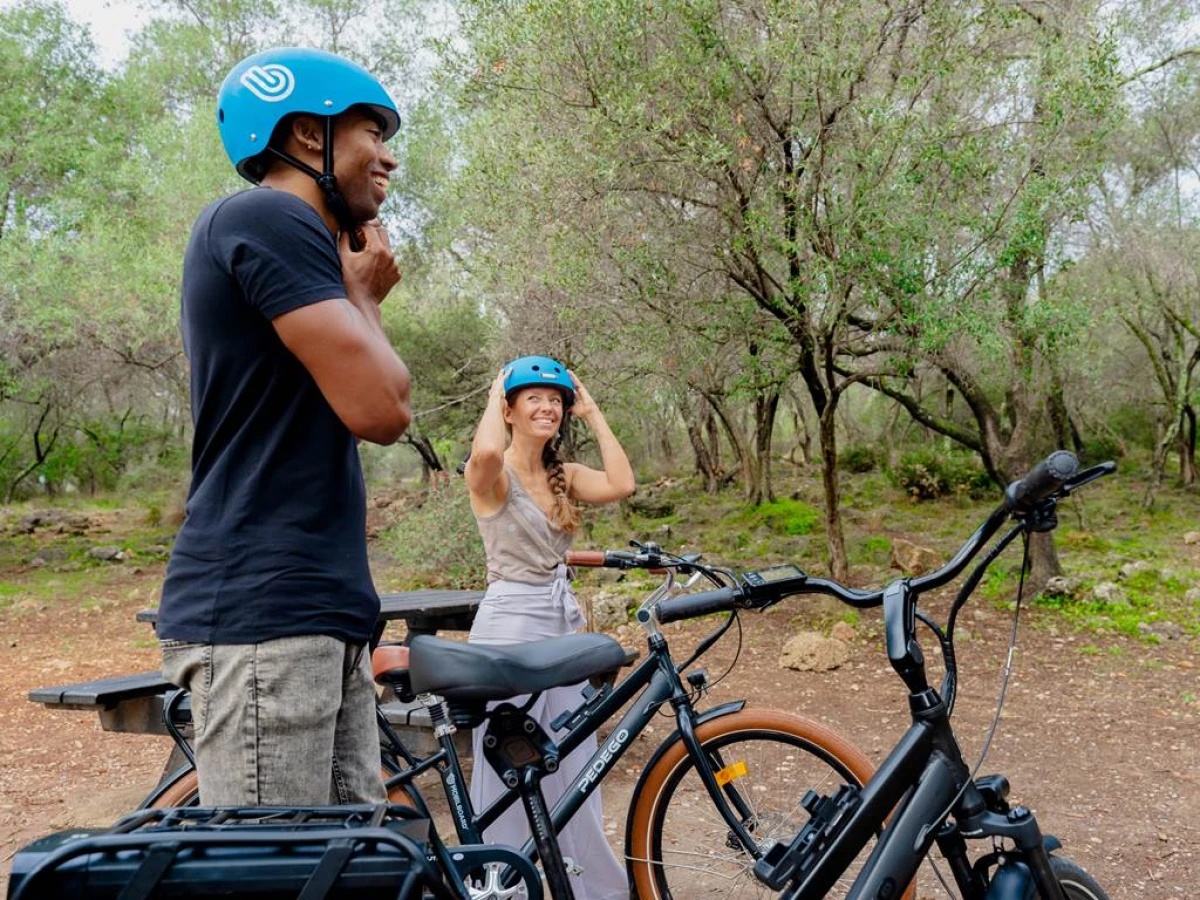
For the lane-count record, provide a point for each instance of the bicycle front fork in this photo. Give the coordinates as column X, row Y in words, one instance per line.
column 1018, row 873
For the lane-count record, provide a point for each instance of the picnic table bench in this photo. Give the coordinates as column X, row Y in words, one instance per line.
column 134, row 703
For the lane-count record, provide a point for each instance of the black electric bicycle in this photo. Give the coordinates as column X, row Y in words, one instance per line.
column 723, row 766
column 930, row 792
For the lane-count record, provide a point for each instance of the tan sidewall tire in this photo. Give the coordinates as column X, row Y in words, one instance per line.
column 184, row 789
column 749, row 719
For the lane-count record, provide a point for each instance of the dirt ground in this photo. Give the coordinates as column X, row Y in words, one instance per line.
column 1100, row 736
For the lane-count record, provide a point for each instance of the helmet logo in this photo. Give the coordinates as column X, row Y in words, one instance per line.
column 270, row 83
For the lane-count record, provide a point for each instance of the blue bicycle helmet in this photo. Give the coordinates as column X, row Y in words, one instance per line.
column 264, row 88
column 539, row 370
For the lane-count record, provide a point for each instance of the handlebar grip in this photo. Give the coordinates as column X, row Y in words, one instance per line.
column 692, row 605
column 1043, row 480
column 581, row 558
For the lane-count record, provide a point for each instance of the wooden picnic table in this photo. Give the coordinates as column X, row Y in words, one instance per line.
column 423, row 612
column 134, row 702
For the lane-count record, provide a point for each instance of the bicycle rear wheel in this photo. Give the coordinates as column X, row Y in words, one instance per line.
column 679, row 847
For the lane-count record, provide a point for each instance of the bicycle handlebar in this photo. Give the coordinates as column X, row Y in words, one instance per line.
column 1045, row 479
column 586, row 558
column 1054, row 477
column 689, row 606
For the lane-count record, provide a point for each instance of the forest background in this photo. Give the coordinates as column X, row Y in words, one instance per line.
column 933, row 240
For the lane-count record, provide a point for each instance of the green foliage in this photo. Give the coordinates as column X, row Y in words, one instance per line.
column 999, row 584
column 437, row 544
column 791, row 517
column 96, row 455
column 1102, row 449
column 860, row 458
column 875, row 550
column 1093, row 615
column 1134, row 422
column 930, row 474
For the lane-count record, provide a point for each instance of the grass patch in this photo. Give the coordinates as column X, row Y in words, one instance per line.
column 48, row 587
column 786, row 516
column 1097, row 615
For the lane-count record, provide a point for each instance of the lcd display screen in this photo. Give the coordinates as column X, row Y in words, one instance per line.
column 778, row 573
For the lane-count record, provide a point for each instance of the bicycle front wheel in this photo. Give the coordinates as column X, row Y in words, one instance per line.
column 1076, row 884
column 679, row 847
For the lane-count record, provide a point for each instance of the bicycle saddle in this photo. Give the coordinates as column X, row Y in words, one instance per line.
column 459, row 671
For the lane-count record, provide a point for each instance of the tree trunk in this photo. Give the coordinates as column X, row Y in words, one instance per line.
column 802, row 438
column 705, row 466
column 40, row 453
column 747, row 461
column 1158, row 465
column 835, row 541
column 1043, row 560
column 1187, row 447
column 714, row 438
column 766, row 407
column 430, row 464
column 1066, row 434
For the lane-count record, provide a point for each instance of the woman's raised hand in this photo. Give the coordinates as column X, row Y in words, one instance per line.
column 496, row 393
column 584, row 404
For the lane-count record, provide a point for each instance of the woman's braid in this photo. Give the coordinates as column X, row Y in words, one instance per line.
column 566, row 515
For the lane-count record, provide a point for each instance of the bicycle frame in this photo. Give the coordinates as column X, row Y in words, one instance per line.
column 654, row 682
column 924, row 780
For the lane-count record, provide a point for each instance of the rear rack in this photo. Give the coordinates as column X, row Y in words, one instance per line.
column 264, row 853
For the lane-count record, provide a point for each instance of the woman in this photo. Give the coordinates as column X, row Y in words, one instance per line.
column 523, row 497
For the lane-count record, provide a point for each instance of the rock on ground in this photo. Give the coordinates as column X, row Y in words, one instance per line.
column 913, row 559
column 1136, row 567
column 1107, row 592
column 608, row 610
column 812, row 652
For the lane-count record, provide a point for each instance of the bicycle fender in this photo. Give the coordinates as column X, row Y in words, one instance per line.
column 1011, row 881
column 716, row 712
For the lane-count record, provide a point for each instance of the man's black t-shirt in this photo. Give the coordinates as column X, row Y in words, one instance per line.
column 274, row 542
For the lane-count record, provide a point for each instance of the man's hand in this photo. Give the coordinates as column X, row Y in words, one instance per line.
column 372, row 272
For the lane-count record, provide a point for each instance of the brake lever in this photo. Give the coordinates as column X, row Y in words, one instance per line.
column 1087, row 476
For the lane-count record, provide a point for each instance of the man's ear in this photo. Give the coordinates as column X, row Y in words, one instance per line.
column 307, row 132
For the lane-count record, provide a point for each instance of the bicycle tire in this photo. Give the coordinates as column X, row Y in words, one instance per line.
column 679, row 848
column 1074, row 881
column 185, row 791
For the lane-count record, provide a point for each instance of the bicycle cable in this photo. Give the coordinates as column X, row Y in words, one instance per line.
column 696, row 693
column 1006, row 676
column 736, row 655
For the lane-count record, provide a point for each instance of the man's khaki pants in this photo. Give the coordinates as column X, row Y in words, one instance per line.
column 288, row 722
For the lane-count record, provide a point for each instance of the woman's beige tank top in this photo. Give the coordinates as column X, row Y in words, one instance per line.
column 521, row 543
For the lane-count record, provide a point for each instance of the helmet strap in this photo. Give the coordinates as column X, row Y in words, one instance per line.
column 327, row 182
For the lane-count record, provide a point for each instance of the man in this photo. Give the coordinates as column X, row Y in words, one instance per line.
column 268, row 603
